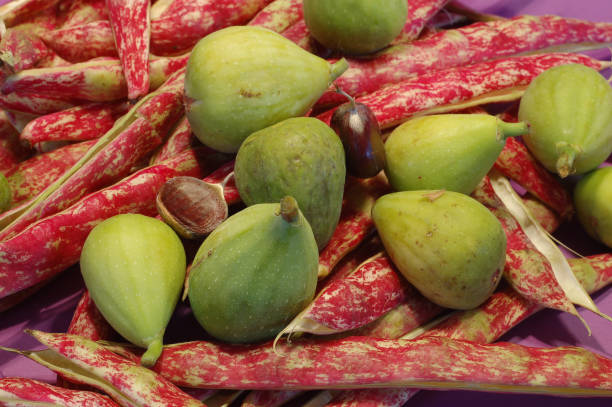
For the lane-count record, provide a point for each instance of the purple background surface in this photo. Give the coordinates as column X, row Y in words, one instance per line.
column 52, row 307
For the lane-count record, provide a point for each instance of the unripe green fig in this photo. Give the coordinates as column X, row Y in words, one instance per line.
column 254, row 273
column 593, row 203
column 447, row 244
column 355, row 26
column 447, row 151
column 241, row 79
column 302, row 157
column 134, row 268
column 569, row 112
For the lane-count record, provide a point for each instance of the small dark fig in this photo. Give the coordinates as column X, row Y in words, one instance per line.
column 358, row 129
column 192, row 207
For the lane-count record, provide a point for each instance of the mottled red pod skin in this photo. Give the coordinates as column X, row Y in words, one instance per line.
column 299, row 34
column 28, row 258
column 12, row 152
column 78, row 12
column 516, row 162
column 278, row 15
column 85, row 122
column 526, row 269
column 17, row 11
column 127, row 382
column 471, row 44
column 181, row 138
column 88, row 322
column 221, row 174
column 34, row 104
column 356, row 361
column 355, row 223
column 358, row 129
column 22, row 49
column 23, row 391
column 130, row 23
column 268, row 398
column 28, row 178
column 68, row 42
column 197, row 18
column 396, row 103
column 419, row 13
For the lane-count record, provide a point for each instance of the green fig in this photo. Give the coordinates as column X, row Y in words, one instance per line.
column 241, row 79
column 254, row 273
column 569, row 112
column 448, row 151
column 134, row 268
column 447, row 244
column 355, row 26
column 302, row 157
column 593, row 203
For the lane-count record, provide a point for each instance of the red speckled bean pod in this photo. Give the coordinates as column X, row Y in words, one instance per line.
column 29, row 257
column 17, row 11
column 22, row 49
column 34, row 104
column 278, row 15
column 526, row 269
column 84, row 122
column 269, row 398
column 451, row 89
column 19, row 391
column 179, row 30
column 356, row 362
column 299, row 34
column 68, row 42
column 419, row 13
column 501, row 312
column 230, row 191
column 181, row 138
column 126, row 382
column 88, row 322
column 33, row 175
column 77, row 12
column 12, row 152
column 130, row 23
column 467, row 45
column 355, row 223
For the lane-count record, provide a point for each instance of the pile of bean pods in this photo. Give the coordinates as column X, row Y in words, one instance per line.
column 92, row 124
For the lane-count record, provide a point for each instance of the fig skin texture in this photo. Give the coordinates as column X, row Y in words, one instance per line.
column 593, row 203
column 447, row 151
column 301, row 157
column 446, row 244
column 134, row 268
column 569, row 112
column 254, row 273
column 242, row 79
column 355, row 27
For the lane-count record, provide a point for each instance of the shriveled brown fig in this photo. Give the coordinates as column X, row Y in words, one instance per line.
column 358, row 129
column 192, row 207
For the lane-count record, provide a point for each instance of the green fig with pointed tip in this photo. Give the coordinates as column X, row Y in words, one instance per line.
column 302, row 157
column 241, row 79
column 254, row 273
column 447, row 151
column 593, row 202
column 447, row 244
column 569, row 112
column 134, row 268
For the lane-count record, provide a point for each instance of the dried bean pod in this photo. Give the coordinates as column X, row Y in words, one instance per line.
column 278, row 15
column 28, row 258
column 17, row 11
column 22, row 391
column 31, row 176
column 197, row 19
column 84, row 122
column 362, row 361
column 126, row 382
column 355, row 223
column 67, row 41
column 134, row 136
column 468, row 45
column 130, row 23
column 453, row 89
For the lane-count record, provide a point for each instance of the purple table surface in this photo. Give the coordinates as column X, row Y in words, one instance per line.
column 52, row 307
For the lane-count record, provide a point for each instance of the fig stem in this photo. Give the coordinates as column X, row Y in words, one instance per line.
column 346, row 95
column 506, row 130
column 289, row 209
column 152, row 353
column 565, row 161
column 338, row 68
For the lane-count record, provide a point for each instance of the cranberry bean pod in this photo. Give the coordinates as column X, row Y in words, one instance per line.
column 22, row 391
column 471, row 44
column 17, row 11
column 12, row 152
column 130, row 23
column 278, row 15
column 77, row 12
column 21, row 49
column 29, row 258
column 181, row 138
column 419, row 13
column 269, row 398
column 88, row 322
column 221, row 174
column 35, row 104
column 68, row 42
column 455, row 88
column 299, row 34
